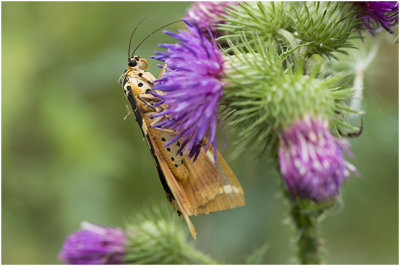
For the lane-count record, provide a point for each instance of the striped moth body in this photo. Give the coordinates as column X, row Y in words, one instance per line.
column 202, row 187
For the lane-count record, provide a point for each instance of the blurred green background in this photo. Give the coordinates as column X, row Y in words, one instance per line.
column 68, row 156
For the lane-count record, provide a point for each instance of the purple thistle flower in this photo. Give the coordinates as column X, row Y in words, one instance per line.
column 208, row 14
column 94, row 245
column 311, row 160
column 192, row 87
column 378, row 15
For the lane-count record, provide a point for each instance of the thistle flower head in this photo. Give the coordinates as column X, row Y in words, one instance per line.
column 192, row 87
column 208, row 15
column 311, row 160
column 94, row 245
column 378, row 15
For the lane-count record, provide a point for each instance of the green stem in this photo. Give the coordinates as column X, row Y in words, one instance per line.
column 196, row 256
column 305, row 215
column 309, row 243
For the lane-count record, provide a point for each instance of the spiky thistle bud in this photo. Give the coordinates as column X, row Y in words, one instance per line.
column 262, row 19
column 158, row 237
column 264, row 98
column 272, row 100
column 326, row 27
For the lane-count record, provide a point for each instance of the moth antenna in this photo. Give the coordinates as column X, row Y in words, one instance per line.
column 160, row 28
column 133, row 32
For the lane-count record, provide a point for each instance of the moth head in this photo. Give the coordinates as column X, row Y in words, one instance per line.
column 136, row 62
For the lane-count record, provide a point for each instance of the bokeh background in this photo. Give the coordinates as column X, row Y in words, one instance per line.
column 68, row 156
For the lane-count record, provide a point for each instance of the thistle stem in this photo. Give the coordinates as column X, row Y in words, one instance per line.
column 197, row 257
column 309, row 244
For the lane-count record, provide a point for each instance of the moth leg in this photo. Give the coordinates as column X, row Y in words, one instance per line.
column 149, row 100
column 190, row 225
column 162, row 71
column 129, row 112
column 149, row 97
column 169, row 130
column 141, row 98
column 157, row 120
column 121, row 78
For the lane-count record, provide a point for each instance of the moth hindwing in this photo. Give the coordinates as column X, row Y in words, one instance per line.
column 202, row 187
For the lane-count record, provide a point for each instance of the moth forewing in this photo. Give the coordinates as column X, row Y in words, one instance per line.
column 172, row 157
column 215, row 185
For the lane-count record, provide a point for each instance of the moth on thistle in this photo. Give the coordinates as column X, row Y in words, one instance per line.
column 202, row 187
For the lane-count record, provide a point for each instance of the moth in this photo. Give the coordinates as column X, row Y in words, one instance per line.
column 201, row 187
